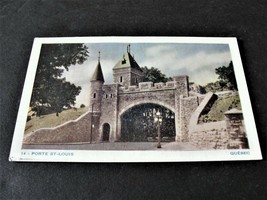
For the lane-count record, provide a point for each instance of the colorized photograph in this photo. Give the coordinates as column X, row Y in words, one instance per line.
column 135, row 97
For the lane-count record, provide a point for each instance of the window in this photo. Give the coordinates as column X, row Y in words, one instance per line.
column 106, row 96
column 136, row 80
column 121, row 79
column 94, row 95
column 110, row 95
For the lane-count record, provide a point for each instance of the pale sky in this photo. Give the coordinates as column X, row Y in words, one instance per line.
column 198, row 61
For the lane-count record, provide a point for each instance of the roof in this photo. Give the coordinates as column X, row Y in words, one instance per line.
column 98, row 74
column 127, row 62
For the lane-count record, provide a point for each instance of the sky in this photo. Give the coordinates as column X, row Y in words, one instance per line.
column 198, row 61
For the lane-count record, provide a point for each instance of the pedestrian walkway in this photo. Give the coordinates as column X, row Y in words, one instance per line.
column 117, row 146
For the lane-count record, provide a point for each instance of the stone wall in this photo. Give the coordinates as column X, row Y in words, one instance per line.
column 109, row 101
column 182, row 85
column 187, row 106
column 148, row 86
column 165, row 98
column 96, row 95
column 227, row 134
column 109, row 110
column 210, row 136
column 208, row 99
column 124, row 73
column 236, row 129
column 73, row 131
column 136, row 76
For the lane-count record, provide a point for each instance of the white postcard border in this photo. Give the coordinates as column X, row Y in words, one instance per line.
column 19, row 154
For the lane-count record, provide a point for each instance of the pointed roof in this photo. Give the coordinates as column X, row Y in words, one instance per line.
column 98, row 74
column 127, row 62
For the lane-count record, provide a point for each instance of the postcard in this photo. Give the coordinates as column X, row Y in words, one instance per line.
column 135, row 99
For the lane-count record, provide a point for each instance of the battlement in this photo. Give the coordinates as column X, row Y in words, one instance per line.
column 149, row 86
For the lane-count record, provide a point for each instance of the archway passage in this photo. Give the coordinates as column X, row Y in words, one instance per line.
column 138, row 124
column 106, row 132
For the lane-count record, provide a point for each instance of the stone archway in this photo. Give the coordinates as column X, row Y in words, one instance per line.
column 137, row 123
column 106, row 132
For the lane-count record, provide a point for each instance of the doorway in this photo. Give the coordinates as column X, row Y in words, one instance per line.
column 106, row 132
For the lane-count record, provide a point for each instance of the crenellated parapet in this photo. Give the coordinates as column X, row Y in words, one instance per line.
column 150, row 86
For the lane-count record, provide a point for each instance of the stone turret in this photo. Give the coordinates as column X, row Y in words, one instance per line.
column 97, row 82
column 127, row 72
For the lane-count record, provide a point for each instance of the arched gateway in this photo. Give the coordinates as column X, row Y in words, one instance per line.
column 138, row 123
column 122, row 103
column 124, row 110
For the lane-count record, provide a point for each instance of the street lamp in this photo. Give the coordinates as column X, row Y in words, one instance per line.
column 158, row 120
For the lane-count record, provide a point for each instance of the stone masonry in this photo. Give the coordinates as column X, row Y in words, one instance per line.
column 108, row 103
column 128, row 90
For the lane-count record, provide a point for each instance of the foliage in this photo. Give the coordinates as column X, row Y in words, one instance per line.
column 82, row 106
column 196, row 88
column 226, row 80
column 216, row 87
column 154, row 75
column 227, row 76
column 50, row 89
column 138, row 123
column 64, row 95
column 220, row 106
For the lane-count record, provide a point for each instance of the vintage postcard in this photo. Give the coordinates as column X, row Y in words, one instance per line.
column 135, row 99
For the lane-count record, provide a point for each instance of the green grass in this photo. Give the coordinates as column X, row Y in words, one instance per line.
column 51, row 120
column 220, row 106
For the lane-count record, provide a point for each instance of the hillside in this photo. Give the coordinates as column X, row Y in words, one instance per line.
column 51, row 120
column 220, row 106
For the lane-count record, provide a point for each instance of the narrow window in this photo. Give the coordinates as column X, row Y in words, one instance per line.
column 94, row 95
column 110, row 95
column 106, row 96
column 136, row 80
column 121, row 79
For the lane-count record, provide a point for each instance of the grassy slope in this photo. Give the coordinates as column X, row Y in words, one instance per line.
column 220, row 106
column 52, row 120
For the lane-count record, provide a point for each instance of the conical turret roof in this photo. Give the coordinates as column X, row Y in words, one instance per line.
column 98, row 74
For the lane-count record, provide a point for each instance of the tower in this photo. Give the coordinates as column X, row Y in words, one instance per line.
column 97, row 81
column 127, row 72
column 96, row 92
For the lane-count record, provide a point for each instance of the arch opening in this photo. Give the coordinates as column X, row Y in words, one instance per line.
column 138, row 123
column 106, row 132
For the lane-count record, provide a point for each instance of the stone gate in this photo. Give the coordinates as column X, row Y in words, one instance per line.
column 109, row 102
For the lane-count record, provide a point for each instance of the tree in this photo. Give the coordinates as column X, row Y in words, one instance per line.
column 50, row 89
column 216, row 86
column 196, row 88
column 154, row 75
column 227, row 76
column 62, row 94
